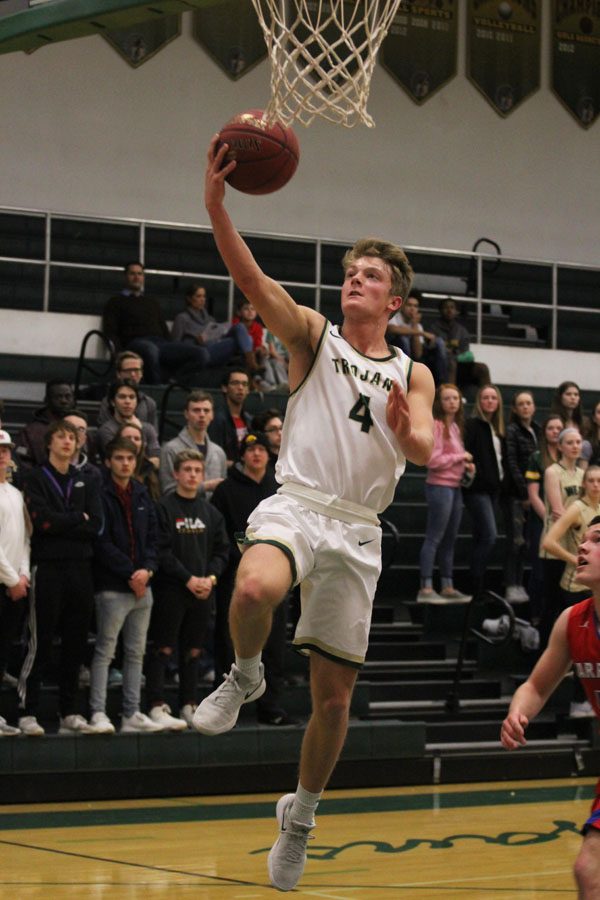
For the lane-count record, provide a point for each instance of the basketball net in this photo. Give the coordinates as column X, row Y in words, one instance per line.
column 323, row 55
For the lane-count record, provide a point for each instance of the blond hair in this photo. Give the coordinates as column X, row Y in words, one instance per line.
column 400, row 269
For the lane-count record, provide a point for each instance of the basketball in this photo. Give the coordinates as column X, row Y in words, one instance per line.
column 266, row 155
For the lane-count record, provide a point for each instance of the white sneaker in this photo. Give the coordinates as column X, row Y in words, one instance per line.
column 581, row 710
column 515, row 593
column 287, row 857
column 187, row 713
column 219, row 711
column 75, row 724
column 162, row 715
column 30, row 726
column 139, row 722
column 6, row 729
column 452, row 595
column 101, row 723
column 428, row 595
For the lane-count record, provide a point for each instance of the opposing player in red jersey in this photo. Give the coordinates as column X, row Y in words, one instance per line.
column 575, row 640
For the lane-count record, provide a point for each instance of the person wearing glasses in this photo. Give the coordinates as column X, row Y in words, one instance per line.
column 270, row 423
column 129, row 366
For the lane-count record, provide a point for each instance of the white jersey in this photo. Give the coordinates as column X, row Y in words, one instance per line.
column 335, row 437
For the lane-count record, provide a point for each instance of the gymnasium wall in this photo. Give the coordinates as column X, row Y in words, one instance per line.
column 83, row 132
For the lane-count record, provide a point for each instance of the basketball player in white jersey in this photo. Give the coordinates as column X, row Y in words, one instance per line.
column 357, row 410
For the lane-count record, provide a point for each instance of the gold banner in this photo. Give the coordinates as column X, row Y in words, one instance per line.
column 503, row 50
column 576, row 58
column 421, row 46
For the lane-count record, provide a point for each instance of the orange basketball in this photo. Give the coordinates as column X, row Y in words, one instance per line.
column 266, row 155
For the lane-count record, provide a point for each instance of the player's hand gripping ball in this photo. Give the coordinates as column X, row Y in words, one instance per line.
column 266, row 155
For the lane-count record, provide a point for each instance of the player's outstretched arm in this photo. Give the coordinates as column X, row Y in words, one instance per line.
column 530, row 698
column 409, row 415
column 297, row 326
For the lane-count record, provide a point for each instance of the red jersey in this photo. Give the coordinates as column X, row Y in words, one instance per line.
column 583, row 637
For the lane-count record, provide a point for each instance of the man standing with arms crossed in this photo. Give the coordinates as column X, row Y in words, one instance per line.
column 358, row 409
column 574, row 640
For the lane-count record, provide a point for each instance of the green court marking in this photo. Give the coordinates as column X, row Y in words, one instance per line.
column 212, row 812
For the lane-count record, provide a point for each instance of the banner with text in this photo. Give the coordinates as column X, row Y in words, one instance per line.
column 421, row 46
column 576, row 58
column 503, row 50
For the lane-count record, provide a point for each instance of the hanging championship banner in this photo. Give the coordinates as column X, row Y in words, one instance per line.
column 138, row 43
column 576, row 58
column 503, row 50
column 231, row 34
column 420, row 48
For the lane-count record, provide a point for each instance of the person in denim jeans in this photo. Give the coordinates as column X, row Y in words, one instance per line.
column 445, row 470
column 484, row 439
column 125, row 560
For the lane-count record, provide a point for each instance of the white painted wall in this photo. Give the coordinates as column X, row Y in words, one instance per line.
column 82, row 132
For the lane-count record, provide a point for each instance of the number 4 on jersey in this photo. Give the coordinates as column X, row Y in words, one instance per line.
column 360, row 412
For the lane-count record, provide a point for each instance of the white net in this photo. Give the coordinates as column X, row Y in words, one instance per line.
column 323, row 54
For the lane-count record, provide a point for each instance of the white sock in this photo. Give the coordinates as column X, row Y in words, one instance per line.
column 249, row 668
column 304, row 806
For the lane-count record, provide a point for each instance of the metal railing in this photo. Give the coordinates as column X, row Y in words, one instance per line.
column 474, row 277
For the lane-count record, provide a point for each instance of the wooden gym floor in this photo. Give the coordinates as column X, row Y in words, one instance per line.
column 514, row 841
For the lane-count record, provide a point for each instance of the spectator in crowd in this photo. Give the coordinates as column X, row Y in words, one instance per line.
column 123, row 402
column 484, row 440
column 248, row 317
column 125, row 560
column 462, row 368
column 276, row 363
column 231, row 424
column 130, row 367
column 406, row 331
column 30, row 444
column 522, row 438
column 537, row 464
column 221, row 340
column 198, row 413
column 270, row 423
column 66, row 515
column 562, row 483
column 593, row 435
column 134, row 321
column 81, row 460
column 574, row 641
column 14, row 563
column 446, row 469
column 247, row 484
column 194, row 551
column 562, row 541
column 566, row 403
column 145, row 469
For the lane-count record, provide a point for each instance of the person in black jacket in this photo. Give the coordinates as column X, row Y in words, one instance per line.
column 194, row 551
column 125, row 560
column 484, row 440
column 231, row 424
column 522, row 438
column 66, row 514
column 249, row 482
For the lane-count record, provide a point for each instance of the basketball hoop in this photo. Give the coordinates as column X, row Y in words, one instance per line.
column 323, row 54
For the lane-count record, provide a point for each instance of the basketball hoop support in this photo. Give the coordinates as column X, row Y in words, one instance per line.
column 323, row 55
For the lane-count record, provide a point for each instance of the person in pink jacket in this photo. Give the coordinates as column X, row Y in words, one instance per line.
column 450, row 464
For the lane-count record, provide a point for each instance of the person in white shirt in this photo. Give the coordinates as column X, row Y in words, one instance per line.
column 14, row 562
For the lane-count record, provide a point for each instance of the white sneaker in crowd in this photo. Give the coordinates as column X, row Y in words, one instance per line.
column 220, row 710
column 516, row 593
column 452, row 595
column 187, row 712
column 101, row 723
column 6, row 729
column 162, row 715
column 75, row 724
column 428, row 595
column 287, row 857
column 581, row 710
column 139, row 722
column 30, row 726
